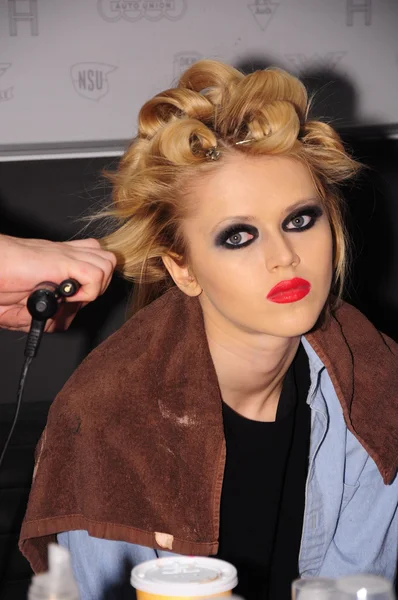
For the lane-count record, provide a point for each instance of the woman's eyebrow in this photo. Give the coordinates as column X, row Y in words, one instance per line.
column 237, row 218
column 288, row 209
column 302, row 204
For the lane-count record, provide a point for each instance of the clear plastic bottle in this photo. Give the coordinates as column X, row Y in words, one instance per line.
column 58, row 583
column 315, row 588
column 364, row 587
column 352, row 587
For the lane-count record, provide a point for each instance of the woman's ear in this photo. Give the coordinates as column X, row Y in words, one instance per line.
column 182, row 276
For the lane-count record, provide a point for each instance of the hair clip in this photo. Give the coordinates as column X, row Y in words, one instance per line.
column 213, row 153
column 249, row 141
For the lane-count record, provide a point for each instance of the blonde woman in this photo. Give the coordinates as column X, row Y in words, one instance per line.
column 245, row 411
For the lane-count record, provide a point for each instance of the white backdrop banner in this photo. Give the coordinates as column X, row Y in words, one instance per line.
column 76, row 72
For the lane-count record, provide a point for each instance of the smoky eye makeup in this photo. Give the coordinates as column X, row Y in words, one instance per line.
column 238, row 235
column 303, row 218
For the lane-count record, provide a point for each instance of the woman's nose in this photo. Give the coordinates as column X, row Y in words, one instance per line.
column 280, row 254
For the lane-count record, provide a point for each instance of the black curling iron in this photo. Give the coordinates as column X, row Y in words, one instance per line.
column 42, row 305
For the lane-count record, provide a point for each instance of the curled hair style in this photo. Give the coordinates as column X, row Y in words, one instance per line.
column 214, row 106
column 172, row 103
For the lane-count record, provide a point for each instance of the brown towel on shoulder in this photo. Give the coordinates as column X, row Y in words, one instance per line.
column 134, row 446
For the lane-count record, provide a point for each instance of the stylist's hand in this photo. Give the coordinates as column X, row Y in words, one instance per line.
column 26, row 263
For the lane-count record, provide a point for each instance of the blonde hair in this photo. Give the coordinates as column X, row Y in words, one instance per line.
column 214, row 106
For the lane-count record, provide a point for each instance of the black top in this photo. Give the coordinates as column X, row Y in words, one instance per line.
column 262, row 501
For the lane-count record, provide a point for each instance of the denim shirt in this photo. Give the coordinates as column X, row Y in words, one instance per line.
column 350, row 519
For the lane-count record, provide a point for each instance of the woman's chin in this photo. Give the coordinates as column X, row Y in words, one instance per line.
column 293, row 325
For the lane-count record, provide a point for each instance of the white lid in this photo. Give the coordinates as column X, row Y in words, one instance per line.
column 184, row 576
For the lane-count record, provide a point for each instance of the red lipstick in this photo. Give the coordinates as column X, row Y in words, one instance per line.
column 290, row 290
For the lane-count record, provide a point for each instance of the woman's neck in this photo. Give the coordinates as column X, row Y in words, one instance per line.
column 250, row 368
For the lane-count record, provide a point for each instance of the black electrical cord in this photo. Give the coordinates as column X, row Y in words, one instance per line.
column 26, row 365
column 42, row 304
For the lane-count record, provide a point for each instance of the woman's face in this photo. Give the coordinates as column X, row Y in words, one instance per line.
column 257, row 223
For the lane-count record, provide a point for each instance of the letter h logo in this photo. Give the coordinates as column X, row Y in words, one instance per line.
column 357, row 6
column 15, row 14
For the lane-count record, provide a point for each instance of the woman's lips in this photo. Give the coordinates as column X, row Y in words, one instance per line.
column 290, row 290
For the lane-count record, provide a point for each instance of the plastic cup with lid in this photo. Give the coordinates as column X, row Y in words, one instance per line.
column 183, row 577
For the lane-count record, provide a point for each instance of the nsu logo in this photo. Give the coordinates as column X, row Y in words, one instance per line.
column 134, row 10
column 184, row 60
column 90, row 79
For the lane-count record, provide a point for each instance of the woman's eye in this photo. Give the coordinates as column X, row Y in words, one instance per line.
column 239, row 238
column 305, row 219
column 299, row 222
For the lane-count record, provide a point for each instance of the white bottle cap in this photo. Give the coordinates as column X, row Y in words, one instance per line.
column 184, row 576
